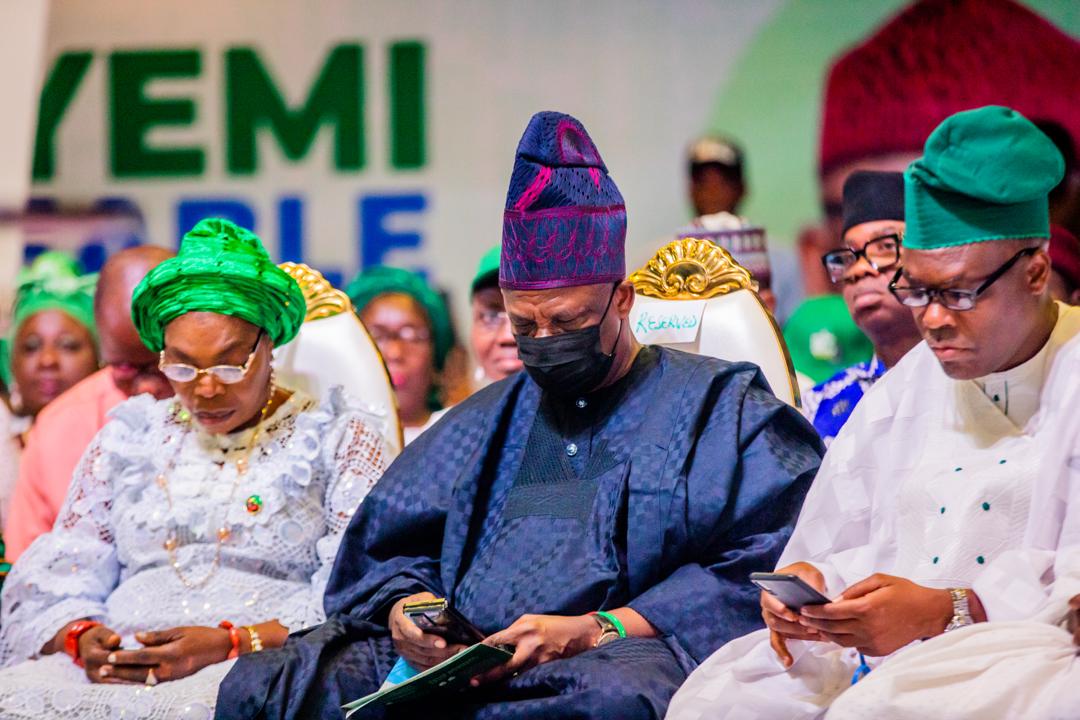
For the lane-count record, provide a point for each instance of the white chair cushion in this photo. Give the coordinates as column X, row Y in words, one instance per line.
column 338, row 351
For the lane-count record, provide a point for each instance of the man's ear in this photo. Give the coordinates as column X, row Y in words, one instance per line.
column 624, row 298
column 1038, row 272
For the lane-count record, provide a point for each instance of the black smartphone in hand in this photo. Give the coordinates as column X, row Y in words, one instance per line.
column 791, row 590
column 439, row 618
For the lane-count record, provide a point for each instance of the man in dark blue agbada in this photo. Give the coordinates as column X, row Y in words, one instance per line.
column 640, row 482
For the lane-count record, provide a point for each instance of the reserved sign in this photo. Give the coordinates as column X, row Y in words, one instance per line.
column 675, row 321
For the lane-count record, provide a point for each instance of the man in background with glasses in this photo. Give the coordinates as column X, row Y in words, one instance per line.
column 945, row 500
column 65, row 428
column 873, row 227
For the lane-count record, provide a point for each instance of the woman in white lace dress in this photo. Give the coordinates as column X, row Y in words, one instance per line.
column 197, row 528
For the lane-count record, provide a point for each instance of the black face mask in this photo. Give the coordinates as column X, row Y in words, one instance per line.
column 571, row 363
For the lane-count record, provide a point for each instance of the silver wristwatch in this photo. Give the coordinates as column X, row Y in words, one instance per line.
column 961, row 609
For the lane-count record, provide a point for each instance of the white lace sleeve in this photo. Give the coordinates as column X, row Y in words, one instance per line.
column 68, row 573
column 355, row 456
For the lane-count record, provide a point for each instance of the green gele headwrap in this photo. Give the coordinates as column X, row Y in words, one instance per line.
column 985, row 175
column 487, row 272
column 221, row 268
column 54, row 282
column 380, row 280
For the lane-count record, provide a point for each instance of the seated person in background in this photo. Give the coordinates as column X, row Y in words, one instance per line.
column 52, row 347
column 491, row 336
column 65, row 428
column 747, row 243
column 916, row 523
column 873, row 228
column 196, row 529
column 638, row 481
column 410, row 323
column 1065, row 266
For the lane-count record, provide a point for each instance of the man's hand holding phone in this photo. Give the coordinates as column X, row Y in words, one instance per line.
column 883, row 613
column 782, row 621
column 876, row 616
column 422, row 650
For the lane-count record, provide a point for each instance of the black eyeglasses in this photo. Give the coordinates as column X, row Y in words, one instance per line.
column 880, row 253
column 952, row 298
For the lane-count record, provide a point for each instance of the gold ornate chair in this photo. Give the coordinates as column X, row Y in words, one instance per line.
column 334, row 348
column 693, row 296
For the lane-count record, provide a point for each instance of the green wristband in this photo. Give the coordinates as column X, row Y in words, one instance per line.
column 614, row 621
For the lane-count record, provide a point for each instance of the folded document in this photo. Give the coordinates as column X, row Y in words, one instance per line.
column 451, row 674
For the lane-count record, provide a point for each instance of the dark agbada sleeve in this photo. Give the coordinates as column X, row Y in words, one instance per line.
column 393, row 545
column 734, row 508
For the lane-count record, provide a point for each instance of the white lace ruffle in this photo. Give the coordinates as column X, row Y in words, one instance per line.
column 313, row 464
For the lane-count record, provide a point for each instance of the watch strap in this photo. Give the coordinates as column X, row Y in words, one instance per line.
column 611, row 628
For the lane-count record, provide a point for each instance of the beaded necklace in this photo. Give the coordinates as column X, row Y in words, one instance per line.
column 223, row 533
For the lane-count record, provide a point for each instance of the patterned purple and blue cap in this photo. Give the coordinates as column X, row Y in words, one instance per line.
column 565, row 221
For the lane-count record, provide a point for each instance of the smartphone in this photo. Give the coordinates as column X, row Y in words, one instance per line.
column 437, row 617
column 791, row 590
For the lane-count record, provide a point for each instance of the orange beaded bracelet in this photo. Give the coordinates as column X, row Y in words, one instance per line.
column 234, row 638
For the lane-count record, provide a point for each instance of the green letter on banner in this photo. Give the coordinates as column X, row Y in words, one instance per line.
column 253, row 102
column 57, row 94
column 407, row 147
column 133, row 114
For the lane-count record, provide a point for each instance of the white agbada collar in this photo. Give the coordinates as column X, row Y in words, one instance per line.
column 1016, row 391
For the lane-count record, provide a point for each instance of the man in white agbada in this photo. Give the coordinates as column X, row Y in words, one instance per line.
column 945, row 501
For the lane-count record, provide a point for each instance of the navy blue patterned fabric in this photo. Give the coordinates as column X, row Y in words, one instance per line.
column 830, row 404
column 693, row 473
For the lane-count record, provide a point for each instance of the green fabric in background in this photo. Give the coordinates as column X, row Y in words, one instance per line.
column 823, row 339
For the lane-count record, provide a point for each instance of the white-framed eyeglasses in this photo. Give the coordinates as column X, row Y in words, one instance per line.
column 227, row 374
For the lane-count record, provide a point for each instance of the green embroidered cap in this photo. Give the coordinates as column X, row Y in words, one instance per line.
column 985, row 174
column 221, row 268
column 487, row 272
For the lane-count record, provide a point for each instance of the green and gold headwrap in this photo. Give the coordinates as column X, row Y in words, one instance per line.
column 380, row 280
column 221, row 268
column 985, row 174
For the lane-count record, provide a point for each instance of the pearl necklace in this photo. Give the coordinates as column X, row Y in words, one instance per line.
column 223, row 533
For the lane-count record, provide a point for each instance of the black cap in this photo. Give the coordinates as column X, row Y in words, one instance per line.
column 871, row 196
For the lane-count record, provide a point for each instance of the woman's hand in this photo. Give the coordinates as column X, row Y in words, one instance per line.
column 422, row 650
column 782, row 621
column 171, row 654
column 94, row 647
column 539, row 639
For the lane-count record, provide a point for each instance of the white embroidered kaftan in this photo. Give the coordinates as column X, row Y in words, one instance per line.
column 934, row 480
column 105, row 559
